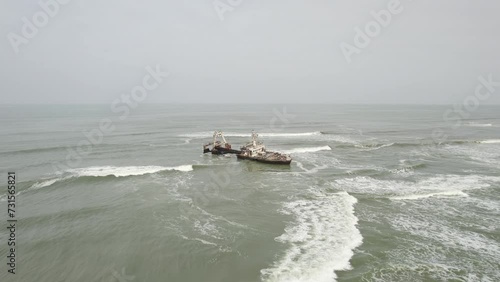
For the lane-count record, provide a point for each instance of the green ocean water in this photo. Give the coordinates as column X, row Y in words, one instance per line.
column 369, row 196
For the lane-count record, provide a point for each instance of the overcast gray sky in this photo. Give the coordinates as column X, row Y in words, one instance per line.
column 262, row 51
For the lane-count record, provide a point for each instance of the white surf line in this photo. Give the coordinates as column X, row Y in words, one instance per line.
column 479, row 124
column 124, row 170
column 436, row 185
column 322, row 239
column 46, row 183
column 437, row 194
column 35, row 186
column 307, row 150
column 490, row 141
column 107, row 171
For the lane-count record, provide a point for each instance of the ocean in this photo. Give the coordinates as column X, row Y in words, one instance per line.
column 374, row 193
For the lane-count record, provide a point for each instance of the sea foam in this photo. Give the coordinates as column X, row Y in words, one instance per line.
column 479, row 124
column 437, row 194
column 435, row 186
column 308, row 150
column 101, row 171
column 321, row 238
column 490, row 141
column 124, row 170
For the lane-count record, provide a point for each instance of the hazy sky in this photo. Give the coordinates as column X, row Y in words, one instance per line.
column 262, row 51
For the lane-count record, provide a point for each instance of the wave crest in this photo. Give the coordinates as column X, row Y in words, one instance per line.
column 437, row 194
column 322, row 239
column 124, row 170
column 490, row 141
column 102, row 171
column 479, row 124
column 308, row 150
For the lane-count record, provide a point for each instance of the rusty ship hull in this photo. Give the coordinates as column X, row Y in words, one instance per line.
column 222, row 151
column 264, row 160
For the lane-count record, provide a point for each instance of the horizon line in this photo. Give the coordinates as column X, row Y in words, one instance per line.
column 243, row 103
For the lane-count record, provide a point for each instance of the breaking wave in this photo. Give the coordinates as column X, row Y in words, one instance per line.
column 308, row 150
column 102, row 171
column 441, row 185
column 437, row 194
column 45, row 183
column 490, row 141
column 124, row 170
column 322, row 239
column 479, row 124
column 376, row 146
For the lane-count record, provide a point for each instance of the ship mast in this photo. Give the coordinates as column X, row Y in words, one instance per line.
column 254, row 138
column 221, row 135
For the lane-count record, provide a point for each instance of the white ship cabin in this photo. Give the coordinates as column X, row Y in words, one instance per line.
column 255, row 147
